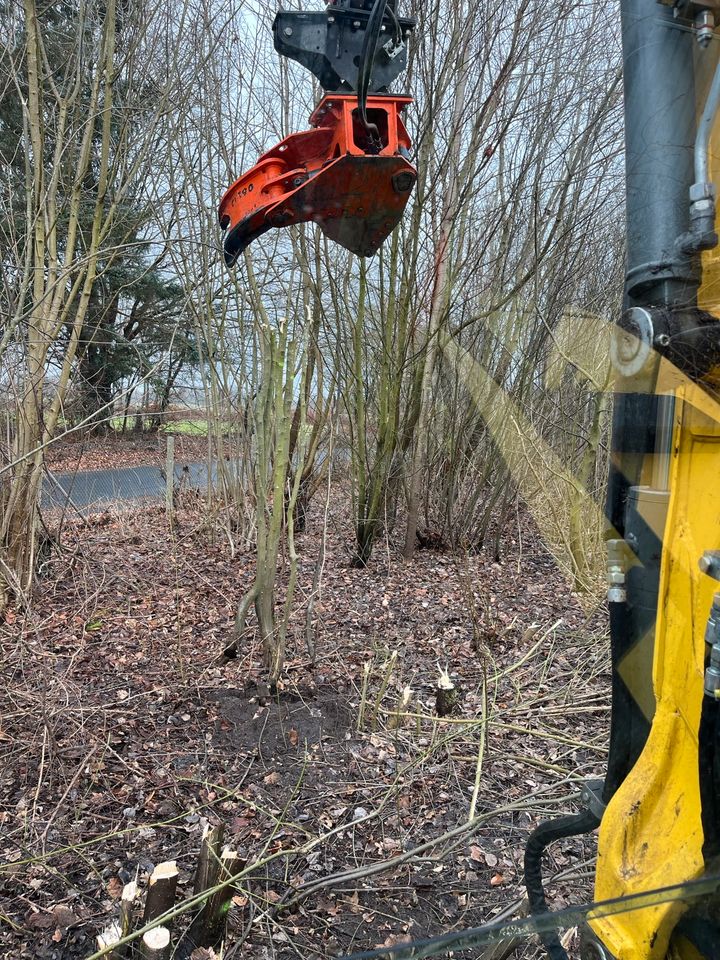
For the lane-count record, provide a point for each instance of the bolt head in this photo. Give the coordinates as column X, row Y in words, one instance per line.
column 288, row 31
column 709, row 563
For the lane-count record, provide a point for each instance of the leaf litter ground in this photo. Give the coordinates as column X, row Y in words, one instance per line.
column 124, row 731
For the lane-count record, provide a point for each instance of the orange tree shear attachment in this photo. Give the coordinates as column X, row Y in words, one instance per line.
column 351, row 179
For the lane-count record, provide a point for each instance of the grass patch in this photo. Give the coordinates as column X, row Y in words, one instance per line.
column 190, row 428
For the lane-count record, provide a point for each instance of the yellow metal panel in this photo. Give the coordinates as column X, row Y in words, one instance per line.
column 651, row 835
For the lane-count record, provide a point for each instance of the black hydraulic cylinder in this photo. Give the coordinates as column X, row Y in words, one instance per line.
column 659, row 138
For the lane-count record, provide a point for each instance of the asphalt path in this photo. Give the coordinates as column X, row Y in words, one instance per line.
column 89, row 488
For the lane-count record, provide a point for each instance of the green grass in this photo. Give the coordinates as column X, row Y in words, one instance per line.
column 186, row 428
column 190, row 428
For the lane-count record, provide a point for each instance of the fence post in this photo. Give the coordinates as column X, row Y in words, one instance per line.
column 170, row 477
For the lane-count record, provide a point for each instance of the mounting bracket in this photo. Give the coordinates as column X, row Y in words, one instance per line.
column 329, row 43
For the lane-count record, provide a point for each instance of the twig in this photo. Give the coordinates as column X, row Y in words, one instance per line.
column 69, row 787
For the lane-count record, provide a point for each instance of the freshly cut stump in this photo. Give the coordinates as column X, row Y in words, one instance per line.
column 119, row 929
column 208, row 927
column 161, row 890
column 156, row 944
column 447, row 695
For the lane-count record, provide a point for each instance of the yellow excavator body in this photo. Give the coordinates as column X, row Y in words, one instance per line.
column 651, row 834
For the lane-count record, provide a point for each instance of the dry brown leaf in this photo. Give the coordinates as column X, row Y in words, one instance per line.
column 115, row 888
column 36, row 920
column 64, row 917
column 394, row 940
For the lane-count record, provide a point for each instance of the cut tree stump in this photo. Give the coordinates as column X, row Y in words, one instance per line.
column 156, row 944
column 208, row 927
column 121, row 928
column 208, row 865
column 447, row 695
column 206, row 933
column 161, row 890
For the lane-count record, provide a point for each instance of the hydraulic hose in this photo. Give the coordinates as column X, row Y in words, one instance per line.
column 709, row 762
column 704, row 130
column 540, row 839
column 621, row 714
column 367, row 58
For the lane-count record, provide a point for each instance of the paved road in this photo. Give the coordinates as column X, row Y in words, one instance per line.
column 96, row 487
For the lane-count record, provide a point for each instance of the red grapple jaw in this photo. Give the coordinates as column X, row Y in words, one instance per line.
column 333, row 175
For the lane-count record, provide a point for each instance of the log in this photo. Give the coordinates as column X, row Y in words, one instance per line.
column 156, row 944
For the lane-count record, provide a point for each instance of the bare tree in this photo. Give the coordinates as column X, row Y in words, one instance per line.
column 93, row 93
